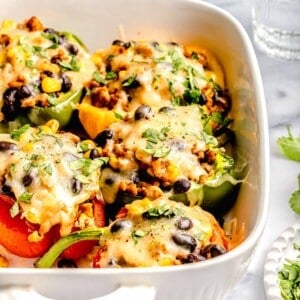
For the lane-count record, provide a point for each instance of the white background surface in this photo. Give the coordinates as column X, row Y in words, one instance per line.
column 281, row 81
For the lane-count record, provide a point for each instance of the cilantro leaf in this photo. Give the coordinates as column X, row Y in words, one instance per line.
column 295, row 199
column 290, row 146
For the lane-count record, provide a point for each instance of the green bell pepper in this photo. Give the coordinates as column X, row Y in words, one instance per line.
column 62, row 111
column 216, row 196
column 49, row 258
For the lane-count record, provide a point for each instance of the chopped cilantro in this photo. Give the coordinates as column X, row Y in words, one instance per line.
column 289, row 278
column 87, row 165
column 195, row 55
column 118, row 115
column 137, row 234
column 131, row 82
column 70, row 66
column 14, row 210
column 16, row 133
column 29, row 63
column 50, row 36
column 159, row 212
column 111, row 75
column 98, row 77
column 25, row 197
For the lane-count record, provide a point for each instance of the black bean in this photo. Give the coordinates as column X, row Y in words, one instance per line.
column 212, row 250
column 184, row 223
column 72, row 48
column 120, row 224
column 66, row 263
column 103, row 136
column 27, row 179
column 155, row 44
column 62, row 39
column 110, row 180
column 135, row 178
column 191, row 258
column 225, row 136
column 181, row 186
column 173, row 44
column 144, row 175
column 48, row 73
column 202, row 99
column 130, row 83
column 94, row 154
column 185, row 240
column 76, row 186
column 5, row 146
column 50, row 31
column 143, row 112
column 24, row 92
column 11, row 103
column 55, row 60
column 166, row 109
column 127, row 45
column 118, row 42
column 66, row 83
column 6, row 189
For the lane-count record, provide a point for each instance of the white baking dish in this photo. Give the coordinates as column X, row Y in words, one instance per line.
column 98, row 24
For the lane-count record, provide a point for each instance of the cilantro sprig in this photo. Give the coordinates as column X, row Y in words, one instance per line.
column 295, row 199
column 289, row 146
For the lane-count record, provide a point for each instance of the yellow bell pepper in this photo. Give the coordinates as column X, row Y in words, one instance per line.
column 95, row 119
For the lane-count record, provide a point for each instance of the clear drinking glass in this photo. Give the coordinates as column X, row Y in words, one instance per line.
column 276, row 27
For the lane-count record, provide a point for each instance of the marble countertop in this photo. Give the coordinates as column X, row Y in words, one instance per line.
column 281, row 79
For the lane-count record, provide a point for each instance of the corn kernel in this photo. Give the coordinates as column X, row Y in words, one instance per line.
column 35, row 237
column 28, row 147
column 2, row 58
column 45, row 129
column 51, row 85
column 166, row 261
column 96, row 58
column 15, row 55
column 210, row 75
column 173, row 172
column 8, row 24
column 87, row 145
column 46, row 66
column 31, row 217
column 53, row 125
column 113, row 161
column 3, row 262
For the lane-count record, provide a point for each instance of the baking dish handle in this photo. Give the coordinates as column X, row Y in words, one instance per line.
column 124, row 292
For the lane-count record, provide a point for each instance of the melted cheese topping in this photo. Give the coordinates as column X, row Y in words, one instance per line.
column 49, row 177
column 171, row 136
column 28, row 55
column 151, row 241
column 153, row 74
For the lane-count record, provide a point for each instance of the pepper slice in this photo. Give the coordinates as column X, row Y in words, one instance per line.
column 62, row 111
column 82, row 248
column 48, row 259
column 14, row 233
